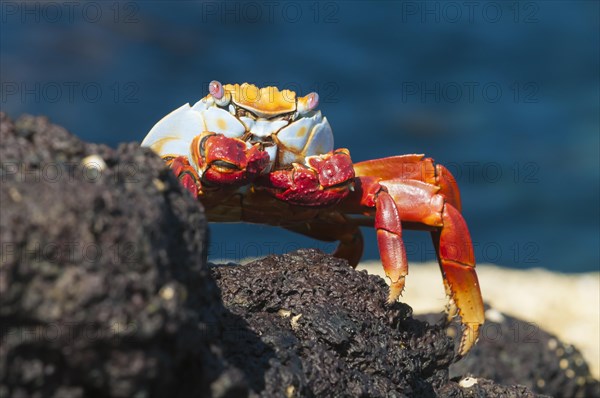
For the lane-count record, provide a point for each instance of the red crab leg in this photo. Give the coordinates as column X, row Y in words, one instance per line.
column 389, row 239
column 419, row 202
column 369, row 194
column 426, row 205
column 412, row 167
column 457, row 263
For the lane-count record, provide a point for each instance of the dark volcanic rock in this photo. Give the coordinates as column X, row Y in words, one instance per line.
column 332, row 334
column 512, row 351
column 104, row 289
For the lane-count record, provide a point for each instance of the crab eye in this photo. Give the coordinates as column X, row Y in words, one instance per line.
column 312, row 101
column 308, row 103
column 216, row 89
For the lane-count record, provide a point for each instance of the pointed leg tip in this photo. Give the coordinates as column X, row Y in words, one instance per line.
column 469, row 337
column 396, row 289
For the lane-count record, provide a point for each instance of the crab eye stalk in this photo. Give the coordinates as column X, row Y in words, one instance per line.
column 216, row 89
column 219, row 94
column 313, row 101
column 308, row 103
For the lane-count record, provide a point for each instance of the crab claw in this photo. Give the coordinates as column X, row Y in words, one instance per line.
column 227, row 161
column 186, row 132
column 325, row 180
column 334, row 169
column 186, row 174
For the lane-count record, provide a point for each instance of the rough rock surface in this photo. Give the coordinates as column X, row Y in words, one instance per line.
column 104, row 289
column 330, row 333
column 512, row 351
column 105, row 292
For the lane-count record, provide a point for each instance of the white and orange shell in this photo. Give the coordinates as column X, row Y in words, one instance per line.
column 290, row 129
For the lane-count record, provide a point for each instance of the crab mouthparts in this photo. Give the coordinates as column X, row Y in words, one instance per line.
column 224, row 166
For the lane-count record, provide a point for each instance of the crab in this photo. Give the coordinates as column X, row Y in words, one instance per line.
column 261, row 155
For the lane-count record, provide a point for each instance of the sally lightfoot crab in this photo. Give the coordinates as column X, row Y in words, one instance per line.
column 262, row 155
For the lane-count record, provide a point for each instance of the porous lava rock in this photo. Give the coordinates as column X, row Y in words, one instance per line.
column 514, row 351
column 331, row 333
column 103, row 283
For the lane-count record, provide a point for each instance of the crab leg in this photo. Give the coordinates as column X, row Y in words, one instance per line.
column 391, row 247
column 412, row 167
column 454, row 248
column 457, row 263
column 426, row 196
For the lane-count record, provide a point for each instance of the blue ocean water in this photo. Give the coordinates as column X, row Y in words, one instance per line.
column 505, row 94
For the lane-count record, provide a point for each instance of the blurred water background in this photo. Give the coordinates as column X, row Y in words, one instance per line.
column 505, row 94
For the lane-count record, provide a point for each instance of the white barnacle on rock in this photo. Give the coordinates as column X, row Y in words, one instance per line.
column 284, row 313
column 93, row 166
column 167, row 293
column 290, row 391
column 93, row 162
column 15, row 195
column 541, row 383
column 158, row 184
column 173, row 292
column 294, row 321
column 467, row 382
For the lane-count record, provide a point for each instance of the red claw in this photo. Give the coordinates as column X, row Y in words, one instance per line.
column 228, row 161
column 333, row 169
column 324, row 182
column 186, row 174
